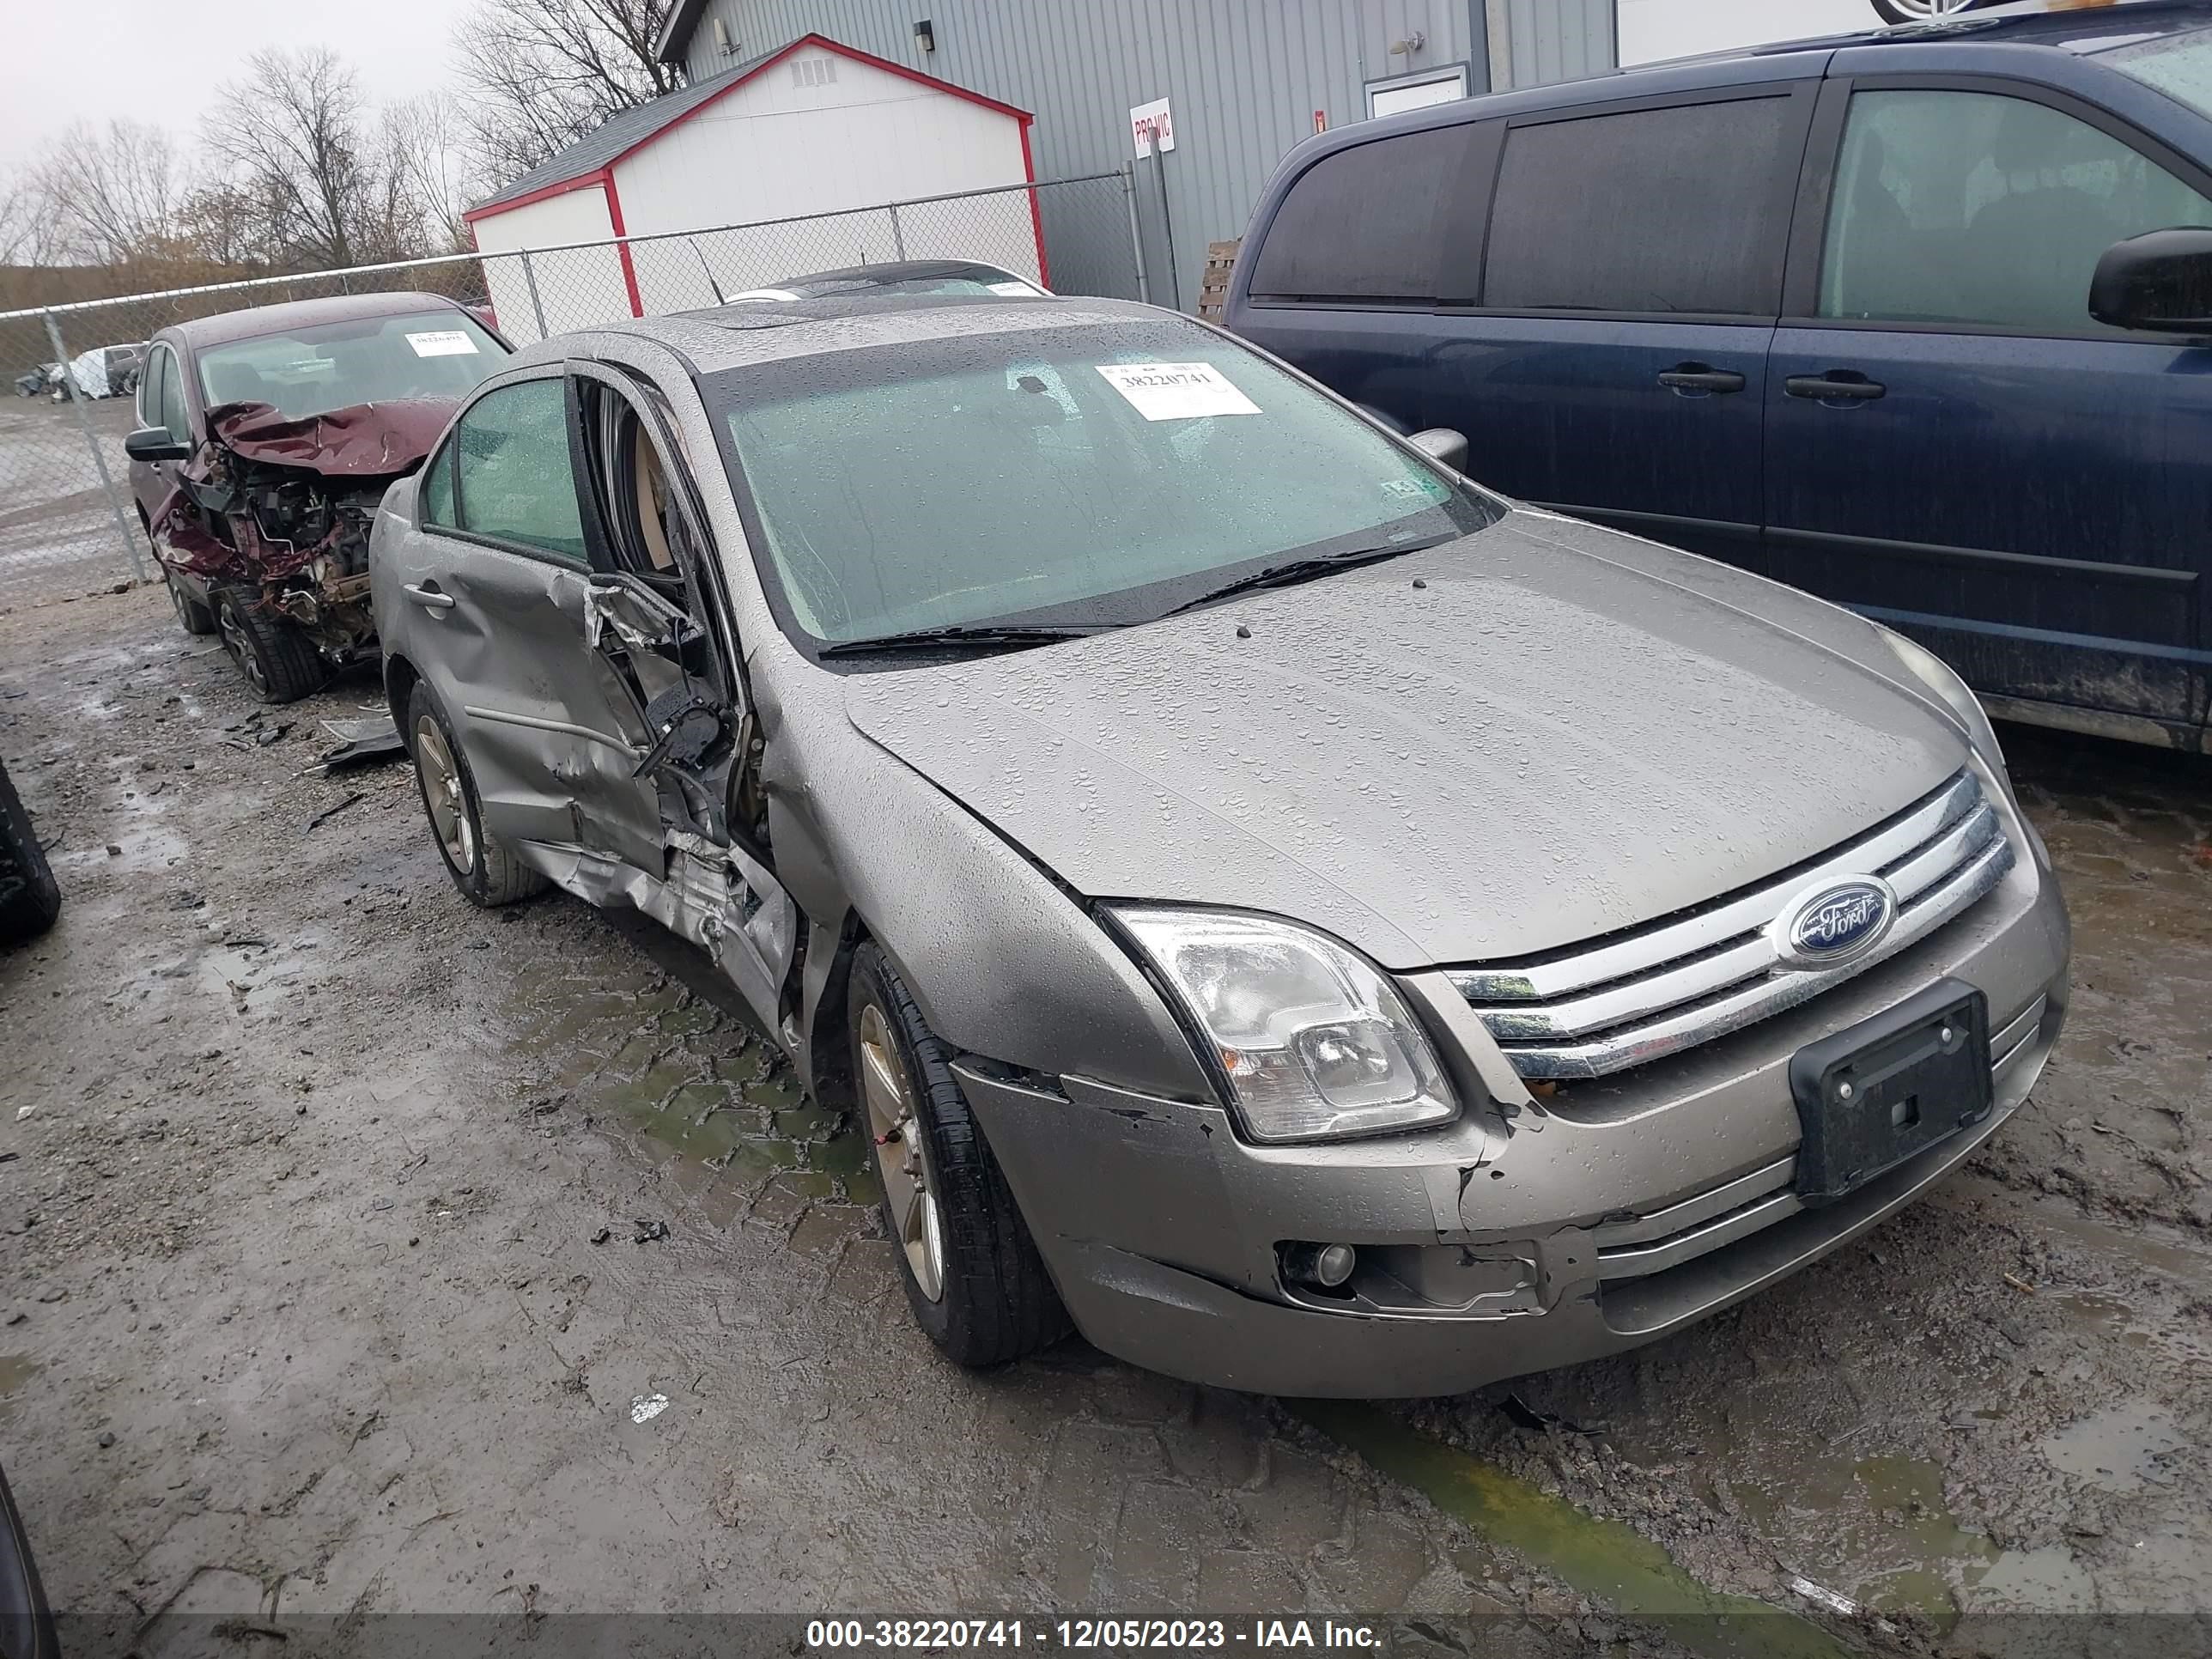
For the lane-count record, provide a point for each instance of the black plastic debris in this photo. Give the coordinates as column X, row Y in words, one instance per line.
column 330, row 813
column 1523, row 1415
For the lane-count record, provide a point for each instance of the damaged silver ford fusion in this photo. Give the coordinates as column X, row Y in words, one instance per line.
column 267, row 438
column 1311, row 924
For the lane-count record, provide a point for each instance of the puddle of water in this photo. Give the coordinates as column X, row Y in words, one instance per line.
column 2123, row 1447
column 1604, row 1559
column 15, row 1369
column 145, row 847
column 227, row 971
column 1910, row 1522
column 2045, row 1580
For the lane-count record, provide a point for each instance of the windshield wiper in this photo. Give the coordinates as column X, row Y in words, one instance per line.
column 959, row 634
column 1298, row 570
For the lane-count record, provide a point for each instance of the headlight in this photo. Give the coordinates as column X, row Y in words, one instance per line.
column 1937, row 677
column 1315, row 1041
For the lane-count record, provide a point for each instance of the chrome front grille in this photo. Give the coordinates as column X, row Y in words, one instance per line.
column 1662, row 988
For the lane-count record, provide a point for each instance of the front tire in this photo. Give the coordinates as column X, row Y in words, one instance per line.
column 485, row 867
column 973, row 1276
column 279, row 662
column 30, row 898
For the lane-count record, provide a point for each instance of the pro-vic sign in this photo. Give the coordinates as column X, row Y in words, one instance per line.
column 1151, row 125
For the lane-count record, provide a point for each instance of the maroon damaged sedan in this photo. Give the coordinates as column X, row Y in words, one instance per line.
column 265, row 440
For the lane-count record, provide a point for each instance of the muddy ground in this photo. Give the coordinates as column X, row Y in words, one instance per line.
column 366, row 1252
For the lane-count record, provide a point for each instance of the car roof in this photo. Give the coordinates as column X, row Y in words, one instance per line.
column 2060, row 24
column 897, row 271
column 735, row 336
column 255, row 321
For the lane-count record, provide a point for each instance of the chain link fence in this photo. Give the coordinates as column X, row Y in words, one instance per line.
column 69, row 523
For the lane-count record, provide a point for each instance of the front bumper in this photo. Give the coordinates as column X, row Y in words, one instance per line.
column 1577, row 1226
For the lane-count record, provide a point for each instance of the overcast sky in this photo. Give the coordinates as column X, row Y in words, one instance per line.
column 157, row 62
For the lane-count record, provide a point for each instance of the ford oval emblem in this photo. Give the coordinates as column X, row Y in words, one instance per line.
column 1836, row 922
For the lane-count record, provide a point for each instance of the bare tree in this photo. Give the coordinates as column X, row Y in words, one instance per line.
column 542, row 73
column 107, row 194
column 291, row 136
column 428, row 148
column 26, row 235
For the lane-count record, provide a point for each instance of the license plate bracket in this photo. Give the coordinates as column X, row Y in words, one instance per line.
column 1882, row 1091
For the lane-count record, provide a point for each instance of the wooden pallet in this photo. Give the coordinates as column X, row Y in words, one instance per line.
column 1213, row 286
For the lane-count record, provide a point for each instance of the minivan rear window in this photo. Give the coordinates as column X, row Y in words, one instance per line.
column 1362, row 224
column 1681, row 208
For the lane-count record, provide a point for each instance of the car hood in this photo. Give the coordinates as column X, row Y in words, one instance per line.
column 362, row 441
column 1511, row 742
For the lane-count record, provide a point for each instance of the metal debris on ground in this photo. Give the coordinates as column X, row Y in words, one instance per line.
column 361, row 743
column 649, row 1231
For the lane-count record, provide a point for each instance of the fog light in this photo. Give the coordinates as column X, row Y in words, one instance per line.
column 1327, row 1265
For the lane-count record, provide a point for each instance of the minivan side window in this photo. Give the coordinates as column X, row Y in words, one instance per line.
column 1361, row 224
column 1684, row 207
column 1980, row 210
column 514, row 482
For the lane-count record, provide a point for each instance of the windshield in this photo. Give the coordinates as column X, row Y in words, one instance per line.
column 313, row 370
column 2178, row 65
column 1097, row 474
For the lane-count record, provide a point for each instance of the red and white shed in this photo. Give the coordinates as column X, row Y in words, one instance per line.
column 793, row 143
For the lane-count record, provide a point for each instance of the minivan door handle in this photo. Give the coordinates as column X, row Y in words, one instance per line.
column 428, row 595
column 1692, row 379
column 1838, row 385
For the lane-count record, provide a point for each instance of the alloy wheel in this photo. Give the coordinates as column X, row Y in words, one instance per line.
column 1931, row 9
column 442, row 792
column 901, row 1153
column 236, row 640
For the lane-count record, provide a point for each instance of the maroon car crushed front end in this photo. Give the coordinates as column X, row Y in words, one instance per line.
column 285, row 504
column 269, row 437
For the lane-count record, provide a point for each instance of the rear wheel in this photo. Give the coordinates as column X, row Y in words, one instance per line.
column 972, row 1273
column 485, row 867
column 30, row 898
column 279, row 662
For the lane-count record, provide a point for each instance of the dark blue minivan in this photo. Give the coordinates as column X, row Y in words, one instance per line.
column 1824, row 310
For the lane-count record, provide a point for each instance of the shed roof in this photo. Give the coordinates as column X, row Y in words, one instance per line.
column 589, row 159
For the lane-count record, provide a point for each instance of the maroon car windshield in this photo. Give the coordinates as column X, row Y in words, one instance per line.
column 312, row 370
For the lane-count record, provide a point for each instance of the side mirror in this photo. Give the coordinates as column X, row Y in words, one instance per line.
column 153, row 443
column 1440, row 443
column 2161, row 281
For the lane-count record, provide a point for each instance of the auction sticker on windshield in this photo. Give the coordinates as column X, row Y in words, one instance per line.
column 443, row 342
column 1176, row 392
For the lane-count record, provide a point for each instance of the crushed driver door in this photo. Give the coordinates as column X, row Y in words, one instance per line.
column 657, row 615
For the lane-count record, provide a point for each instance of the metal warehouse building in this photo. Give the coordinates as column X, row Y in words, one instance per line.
column 1244, row 80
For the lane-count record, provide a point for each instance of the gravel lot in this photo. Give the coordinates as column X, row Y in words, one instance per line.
column 354, row 1238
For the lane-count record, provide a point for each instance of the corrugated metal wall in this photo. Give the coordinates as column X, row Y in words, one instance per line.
column 1245, row 77
column 1550, row 40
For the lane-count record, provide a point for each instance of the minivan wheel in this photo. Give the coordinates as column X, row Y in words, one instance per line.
column 279, row 662
column 30, row 898
column 485, row 867
column 192, row 616
column 1919, row 11
column 973, row 1276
